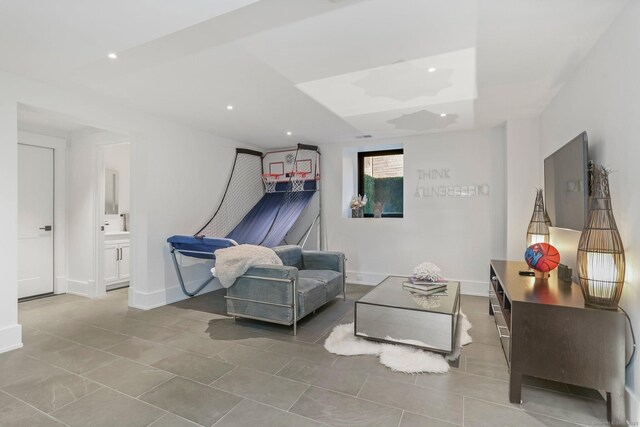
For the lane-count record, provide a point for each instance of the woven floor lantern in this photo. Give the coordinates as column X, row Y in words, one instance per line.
column 601, row 260
column 538, row 230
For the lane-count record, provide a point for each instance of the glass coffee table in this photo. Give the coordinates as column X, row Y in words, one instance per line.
column 392, row 314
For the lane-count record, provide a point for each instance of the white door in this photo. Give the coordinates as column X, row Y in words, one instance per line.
column 123, row 264
column 111, row 255
column 35, row 220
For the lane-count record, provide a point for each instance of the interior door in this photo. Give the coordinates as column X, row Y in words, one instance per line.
column 35, row 220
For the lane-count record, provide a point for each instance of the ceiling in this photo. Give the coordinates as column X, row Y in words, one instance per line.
column 48, row 122
column 325, row 70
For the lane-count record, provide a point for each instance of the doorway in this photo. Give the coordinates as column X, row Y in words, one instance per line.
column 114, row 205
column 35, row 221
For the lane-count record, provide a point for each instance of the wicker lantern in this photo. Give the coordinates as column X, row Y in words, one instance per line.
column 601, row 260
column 538, row 230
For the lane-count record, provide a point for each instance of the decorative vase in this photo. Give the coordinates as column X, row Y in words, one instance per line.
column 377, row 210
column 357, row 212
column 538, row 230
column 601, row 261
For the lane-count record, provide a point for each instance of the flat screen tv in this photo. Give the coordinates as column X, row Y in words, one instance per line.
column 566, row 184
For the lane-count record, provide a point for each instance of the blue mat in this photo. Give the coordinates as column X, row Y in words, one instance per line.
column 258, row 226
column 198, row 248
column 266, row 224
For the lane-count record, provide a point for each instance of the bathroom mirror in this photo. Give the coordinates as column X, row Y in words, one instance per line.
column 110, row 192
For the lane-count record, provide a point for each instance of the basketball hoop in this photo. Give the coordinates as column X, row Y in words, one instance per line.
column 270, row 180
column 297, row 181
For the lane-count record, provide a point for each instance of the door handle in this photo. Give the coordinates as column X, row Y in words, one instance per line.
column 47, row 228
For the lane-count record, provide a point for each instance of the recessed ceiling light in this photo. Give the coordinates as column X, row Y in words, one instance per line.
column 443, row 114
column 229, row 107
column 289, row 133
column 431, row 70
column 112, row 55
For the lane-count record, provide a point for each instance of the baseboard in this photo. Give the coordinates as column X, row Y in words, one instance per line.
column 467, row 287
column 632, row 405
column 10, row 338
column 61, row 285
column 150, row 300
column 82, row 288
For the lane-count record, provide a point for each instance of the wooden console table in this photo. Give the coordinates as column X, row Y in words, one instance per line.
column 546, row 331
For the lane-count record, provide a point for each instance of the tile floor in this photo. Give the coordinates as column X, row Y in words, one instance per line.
column 100, row 363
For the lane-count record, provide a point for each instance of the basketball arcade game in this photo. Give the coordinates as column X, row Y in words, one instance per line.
column 264, row 201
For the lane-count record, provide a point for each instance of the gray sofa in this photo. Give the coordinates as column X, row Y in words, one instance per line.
column 287, row 293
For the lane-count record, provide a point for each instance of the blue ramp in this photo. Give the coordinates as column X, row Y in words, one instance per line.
column 271, row 218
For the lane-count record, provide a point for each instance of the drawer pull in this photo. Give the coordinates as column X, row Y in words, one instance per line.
column 496, row 308
column 500, row 331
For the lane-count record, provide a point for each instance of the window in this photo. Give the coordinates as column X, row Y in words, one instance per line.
column 381, row 179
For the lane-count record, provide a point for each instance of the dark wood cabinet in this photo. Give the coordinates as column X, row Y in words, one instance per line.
column 546, row 331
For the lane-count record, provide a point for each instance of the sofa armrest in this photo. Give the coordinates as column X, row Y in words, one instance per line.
column 281, row 272
column 322, row 260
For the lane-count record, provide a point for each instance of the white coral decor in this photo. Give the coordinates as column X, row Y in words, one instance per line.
column 427, row 271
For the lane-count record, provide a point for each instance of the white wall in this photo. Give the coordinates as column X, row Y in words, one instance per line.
column 460, row 234
column 603, row 98
column 10, row 330
column 177, row 178
column 522, row 179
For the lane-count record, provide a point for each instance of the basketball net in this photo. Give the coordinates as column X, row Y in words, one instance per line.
column 270, row 180
column 297, row 181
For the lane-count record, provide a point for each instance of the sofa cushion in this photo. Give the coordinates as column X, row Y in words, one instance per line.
column 290, row 255
column 331, row 280
column 311, row 295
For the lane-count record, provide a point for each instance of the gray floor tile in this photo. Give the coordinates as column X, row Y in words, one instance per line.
column 193, row 401
column 109, row 321
column 312, row 352
column 249, row 357
column 240, row 335
column 200, row 325
column 264, row 388
column 194, row 326
column 78, row 358
column 107, row 408
column 16, row 366
column 14, row 413
column 484, row 414
column 252, row 414
column 194, row 367
column 482, row 351
column 96, row 337
column 147, row 331
column 343, row 380
column 340, row 410
column 467, row 385
column 371, row 365
column 564, row 406
column 203, row 345
column 172, row 420
column 496, row 368
column 162, row 316
column 143, row 351
column 129, row 377
column 414, row 420
column 437, row 404
column 49, row 388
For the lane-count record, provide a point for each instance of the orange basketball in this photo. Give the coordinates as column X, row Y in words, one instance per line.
column 542, row 257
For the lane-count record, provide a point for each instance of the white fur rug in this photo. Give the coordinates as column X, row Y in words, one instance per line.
column 399, row 358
